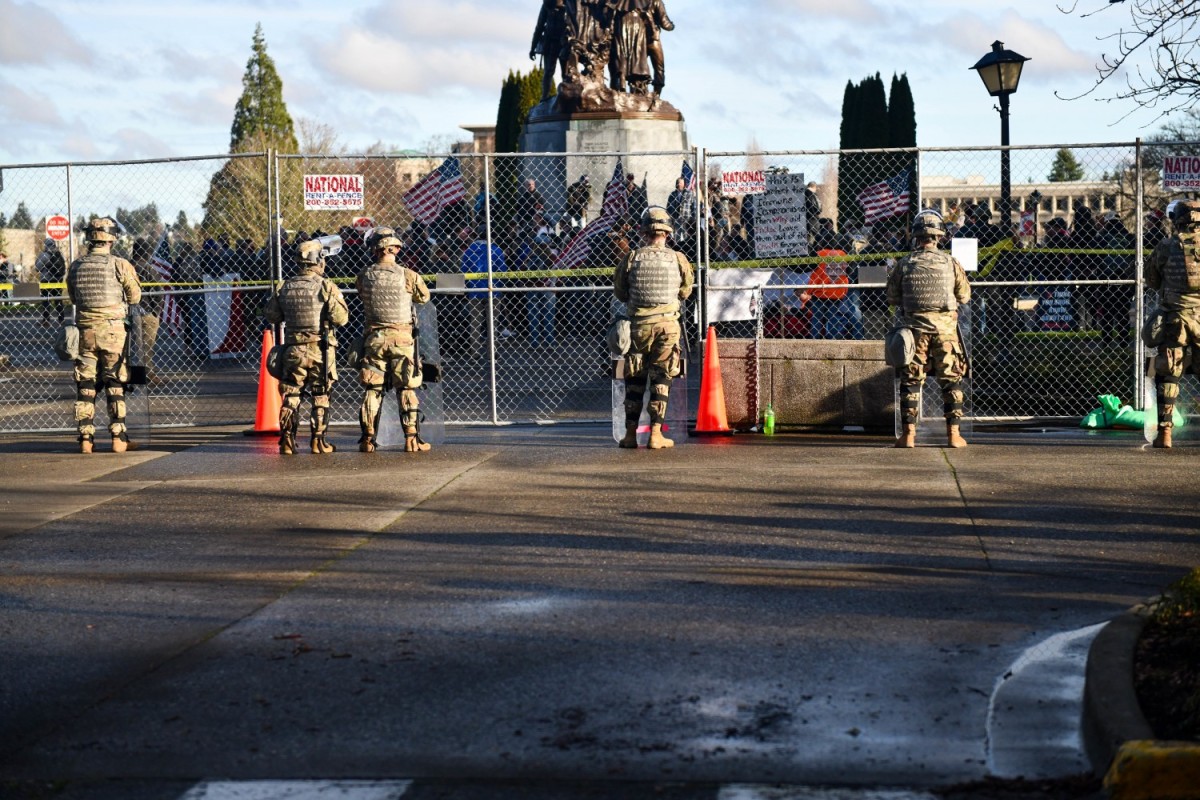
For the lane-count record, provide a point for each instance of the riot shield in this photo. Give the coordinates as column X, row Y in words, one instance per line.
column 676, row 424
column 931, row 429
column 390, row 433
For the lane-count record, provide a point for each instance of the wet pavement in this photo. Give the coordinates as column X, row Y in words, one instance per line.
column 531, row 605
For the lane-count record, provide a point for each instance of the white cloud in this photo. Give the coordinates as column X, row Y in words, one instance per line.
column 856, row 10
column 30, row 34
column 383, row 64
column 1052, row 56
column 137, row 143
column 21, row 107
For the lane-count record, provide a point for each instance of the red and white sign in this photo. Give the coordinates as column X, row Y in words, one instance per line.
column 58, row 227
column 1181, row 173
column 743, row 182
column 363, row 224
column 333, row 192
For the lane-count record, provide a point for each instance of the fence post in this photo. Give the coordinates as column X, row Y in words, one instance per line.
column 1139, row 285
column 701, row 240
column 71, row 222
column 491, row 320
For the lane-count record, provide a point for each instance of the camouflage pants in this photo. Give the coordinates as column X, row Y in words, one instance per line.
column 1181, row 336
column 388, row 356
column 654, row 359
column 101, row 365
column 304, row 370
column 943, row 358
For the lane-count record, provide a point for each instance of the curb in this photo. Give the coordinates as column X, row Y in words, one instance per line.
column 1117, row 737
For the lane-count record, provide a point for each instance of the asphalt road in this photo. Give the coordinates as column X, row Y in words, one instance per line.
column 531, row 605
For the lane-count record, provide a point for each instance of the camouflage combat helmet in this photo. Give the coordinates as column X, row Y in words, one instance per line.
column 102, row 229
column 1184, row 214
column 379, row 233
column 308, row 255
column 656, row 219
column 928, row 225
column 384, row 242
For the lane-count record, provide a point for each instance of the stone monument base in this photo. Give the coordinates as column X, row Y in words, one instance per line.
column 646, row 141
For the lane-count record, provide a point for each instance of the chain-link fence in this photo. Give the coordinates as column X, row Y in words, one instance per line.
column 519, row 251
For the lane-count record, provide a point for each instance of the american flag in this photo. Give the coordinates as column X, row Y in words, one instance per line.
column 161, row 261
column 886, row 198
column 616, row 203
column 689, row 177
column 435, row 191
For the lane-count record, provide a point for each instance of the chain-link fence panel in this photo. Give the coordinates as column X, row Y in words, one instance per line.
column 519, row 251
column 195, row 231
column 1055, row 282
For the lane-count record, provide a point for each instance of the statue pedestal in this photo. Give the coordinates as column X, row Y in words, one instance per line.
column 651, row 144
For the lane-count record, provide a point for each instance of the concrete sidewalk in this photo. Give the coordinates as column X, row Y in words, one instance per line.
column 534, row 603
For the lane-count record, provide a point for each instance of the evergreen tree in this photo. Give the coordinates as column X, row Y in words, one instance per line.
column 21, row 219
column 237, row 195
column 508, row 127
column 3, row 220
column 142, row 221
column 1065, row 167
column 869, row 121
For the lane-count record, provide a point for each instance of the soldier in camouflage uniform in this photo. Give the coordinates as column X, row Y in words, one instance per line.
column 927, row 287
column 102, row 286
column 1174, row 269
column 651, row 282
column 311, row 306
column 388, row 291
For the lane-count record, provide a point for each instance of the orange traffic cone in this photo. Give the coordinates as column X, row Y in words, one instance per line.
column 266, row 415
column 710, row 417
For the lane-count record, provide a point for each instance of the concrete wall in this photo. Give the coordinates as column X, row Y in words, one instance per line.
column 811, row 383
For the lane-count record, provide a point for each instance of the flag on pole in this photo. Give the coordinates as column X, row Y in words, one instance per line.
column 172, row 316
column 616, row 203
column 426, row 199
column 886, row 198
column 689, row 177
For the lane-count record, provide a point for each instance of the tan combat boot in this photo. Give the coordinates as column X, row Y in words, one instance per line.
column 319, row 446
column 367, row 444
column 287, row 443
column 121, row 443
column 630, row 441
column 414, row 444
column 908, row 437
column 657, row 440
column 1163, row 440
column 85, row 444
column 953, row 437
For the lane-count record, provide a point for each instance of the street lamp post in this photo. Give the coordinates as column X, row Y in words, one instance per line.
column 1000, row 71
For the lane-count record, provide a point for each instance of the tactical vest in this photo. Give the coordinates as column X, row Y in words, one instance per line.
column 95, row 282
column 1182, row 275
column 654, row 277
column 928, row 279
column 384, row 294
column 300, row 299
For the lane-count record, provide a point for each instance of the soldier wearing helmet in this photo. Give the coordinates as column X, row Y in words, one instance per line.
column 387, row 291
column 1174, row 270
column 101, row 286
column 651, row 282
column 926, row 288
column 312, row 306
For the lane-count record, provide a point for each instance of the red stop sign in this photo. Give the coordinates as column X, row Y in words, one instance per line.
column 58, row 227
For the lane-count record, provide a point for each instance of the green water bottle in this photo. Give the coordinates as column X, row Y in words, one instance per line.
column 769, row 421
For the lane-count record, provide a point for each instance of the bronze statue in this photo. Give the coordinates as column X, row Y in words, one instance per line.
column 584, row 36
column 550, row 41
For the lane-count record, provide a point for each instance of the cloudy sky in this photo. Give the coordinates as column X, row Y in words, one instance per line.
column 150, row 78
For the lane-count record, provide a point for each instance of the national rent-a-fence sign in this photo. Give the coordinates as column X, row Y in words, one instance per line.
column 333, row 192
column 1181, row 173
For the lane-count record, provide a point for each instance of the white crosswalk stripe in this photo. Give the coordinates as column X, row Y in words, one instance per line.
column 297, row 790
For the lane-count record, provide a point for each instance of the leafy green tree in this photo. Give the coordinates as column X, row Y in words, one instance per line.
column 1065, row 167
column 21, row 219
column 142, row 221
column 237, row 194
